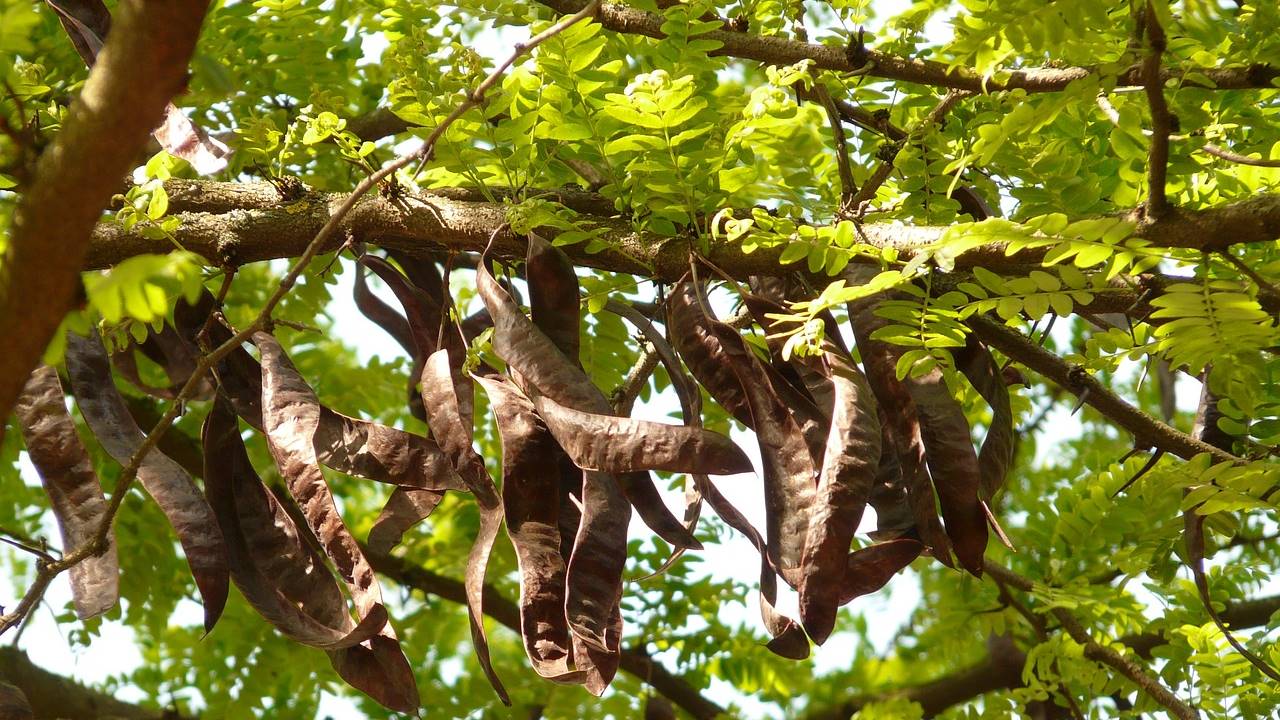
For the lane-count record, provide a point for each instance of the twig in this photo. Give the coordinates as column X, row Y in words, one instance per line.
column 848, row 187
column 1263, row 284
column 1225, row 154
column 477, row 96
column 882, row 172
column 98, row 543
column 1147, row 430
column 1161, row 120
column 1101, row 653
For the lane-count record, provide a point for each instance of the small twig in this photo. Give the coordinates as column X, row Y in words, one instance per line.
column 848, row 187
column 33, row 549
column 882, row 172
column 1161, row 120
column 624, row 397
column 477, row 96
column 1100, row 653
column 1225, row 154
column 1263, row 284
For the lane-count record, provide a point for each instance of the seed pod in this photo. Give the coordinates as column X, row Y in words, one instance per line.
column 291, row 415
column 168, row 484
column 66, row 472
column 532, row 523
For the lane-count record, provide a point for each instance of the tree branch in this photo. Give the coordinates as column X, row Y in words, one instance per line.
column 55, row 696
column 142, row 66
column 1161, row 120
column 780, row 51
column 1101, row 653
column 1147, row 430
column 237, row 223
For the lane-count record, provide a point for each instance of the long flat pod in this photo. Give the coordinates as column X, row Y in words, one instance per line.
column 291, row 414
column 405, row 508
column 845, row 480
column 789, row 471
column 349, row 445
column 953, row 465
column 537, row 360
column 172, row 488
column 901, row 424
column 787, row 637
column 600, row 666
column 229, row 481
column 380, row 313
column 553, row 295
column 975, row 362
column 594, row 577
column 870, row 568
column 451, row 422
column 66, row 472
column 532, row 522
column 618, row 445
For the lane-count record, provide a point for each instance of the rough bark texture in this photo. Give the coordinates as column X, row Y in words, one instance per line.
column 238, row 223
column 142, row 66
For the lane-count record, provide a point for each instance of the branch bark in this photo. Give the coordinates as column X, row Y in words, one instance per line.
column 780, row 51
column 142, row 66
column 237, row 223
column 1147, row 430
column 54, row 696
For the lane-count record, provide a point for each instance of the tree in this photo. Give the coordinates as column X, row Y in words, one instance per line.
column 968, row 259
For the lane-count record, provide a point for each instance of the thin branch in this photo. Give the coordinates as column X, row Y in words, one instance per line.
column 781, row 51
column 1101, row 653
column 885, row 168
column 848, row 188
column 1147, row 430
column 1263, row 284
column 1161, row 120
column 1225, row 154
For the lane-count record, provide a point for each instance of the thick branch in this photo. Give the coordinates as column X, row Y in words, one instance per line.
column 142, row 66
column 633, row 660
column 54, row 696
column 780, row 51
column 247, row 222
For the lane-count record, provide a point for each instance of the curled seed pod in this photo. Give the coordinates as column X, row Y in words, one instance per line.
column 291, row 414
column 405, row 508
column 450, row 417
column 974, row 360
column 229, row 482
column 540, row 365
column 532, row 523
column 790, row 474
